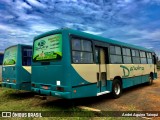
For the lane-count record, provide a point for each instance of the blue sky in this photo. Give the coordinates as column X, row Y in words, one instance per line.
column 131, row 21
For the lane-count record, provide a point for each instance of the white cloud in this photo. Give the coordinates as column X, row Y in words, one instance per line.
column 36, row 3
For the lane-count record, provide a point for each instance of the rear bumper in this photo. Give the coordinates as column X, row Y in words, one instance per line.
column 22, row 86
column 66, row 95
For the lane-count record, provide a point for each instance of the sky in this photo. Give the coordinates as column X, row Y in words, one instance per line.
column 132, row 21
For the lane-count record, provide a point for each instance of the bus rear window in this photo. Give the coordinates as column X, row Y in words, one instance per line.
column 10, row 56
column 48, row 48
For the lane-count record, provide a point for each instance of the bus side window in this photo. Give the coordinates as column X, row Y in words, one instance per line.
column 26, row 57
column 143, row 57
column 82, row 51
column 115, row 54
column 1, row 59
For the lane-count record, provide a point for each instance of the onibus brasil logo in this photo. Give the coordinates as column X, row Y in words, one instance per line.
column 128, row 70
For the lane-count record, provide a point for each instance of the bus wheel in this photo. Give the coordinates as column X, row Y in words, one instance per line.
column 116, row 88
column 150, row 82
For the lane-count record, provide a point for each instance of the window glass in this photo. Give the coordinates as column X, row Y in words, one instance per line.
column 112, row 50
column 1, row 59
column 26, row 54
column 128, row 52
column 116, row 59
column 150, row 61
column 143, row 60
column 82, row 57
column 136, row 60
column 127, row 59
column 118, row 50
column 76, row 44
column 142, row 54
column 86, row 45
column 97, row 56
column 133, row 53
column 124, row 51
column 10, row 56
column 149, row 55
column 137, row 53
column 82, row 51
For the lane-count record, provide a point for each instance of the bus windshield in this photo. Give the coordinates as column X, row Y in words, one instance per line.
column 10, row 56
column 48, row 48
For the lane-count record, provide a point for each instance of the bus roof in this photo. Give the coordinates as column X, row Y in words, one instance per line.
column 94, row 37
column 17, row 45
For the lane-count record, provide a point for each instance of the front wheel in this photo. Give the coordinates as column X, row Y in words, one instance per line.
column 116, row 88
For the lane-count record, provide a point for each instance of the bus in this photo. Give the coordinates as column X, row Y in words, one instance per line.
column 72, row 64
column 16, row 69
column 1, row 61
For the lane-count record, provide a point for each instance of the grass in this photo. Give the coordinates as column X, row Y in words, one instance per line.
column 13, row 100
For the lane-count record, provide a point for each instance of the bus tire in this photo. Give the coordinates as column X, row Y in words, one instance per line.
column 150, row 82
column 116, row 88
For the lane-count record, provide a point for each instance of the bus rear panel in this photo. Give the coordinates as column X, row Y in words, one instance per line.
column 16, row 70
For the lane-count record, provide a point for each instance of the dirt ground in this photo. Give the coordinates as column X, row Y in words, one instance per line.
column 138, row 98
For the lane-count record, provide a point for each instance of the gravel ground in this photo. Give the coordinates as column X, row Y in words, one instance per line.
column 138, row 98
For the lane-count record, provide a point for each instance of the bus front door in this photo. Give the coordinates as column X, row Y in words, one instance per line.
column 101, row 74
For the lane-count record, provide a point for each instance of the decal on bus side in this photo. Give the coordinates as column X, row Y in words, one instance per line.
column 126, row 70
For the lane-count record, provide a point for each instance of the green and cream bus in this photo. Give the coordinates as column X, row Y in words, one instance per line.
column 16, row 69
column 72, row 64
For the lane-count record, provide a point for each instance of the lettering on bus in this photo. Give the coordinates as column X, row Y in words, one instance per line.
column 127, row 70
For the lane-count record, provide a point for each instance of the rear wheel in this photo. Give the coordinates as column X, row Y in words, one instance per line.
column 116, row 88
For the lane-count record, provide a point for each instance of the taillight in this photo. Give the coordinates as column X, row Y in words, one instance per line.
column 14, row 81
column 33, row 85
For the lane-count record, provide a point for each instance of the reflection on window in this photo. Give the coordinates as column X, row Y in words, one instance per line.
column 82, row 51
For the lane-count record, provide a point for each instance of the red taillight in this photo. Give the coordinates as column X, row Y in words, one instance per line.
column 14, row 81
column 59, row 88
column 33, row 85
